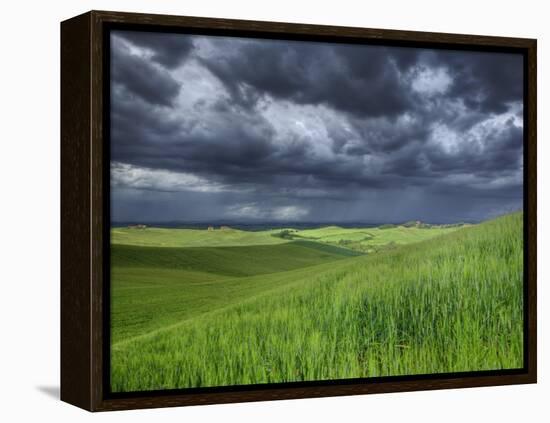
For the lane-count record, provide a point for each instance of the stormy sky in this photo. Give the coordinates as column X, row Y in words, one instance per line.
column 207, row 128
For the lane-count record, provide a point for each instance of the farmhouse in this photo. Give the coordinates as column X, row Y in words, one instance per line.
column 137, row 226
column 211, row 228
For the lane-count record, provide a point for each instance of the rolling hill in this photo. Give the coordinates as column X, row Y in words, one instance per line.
column 195, row 317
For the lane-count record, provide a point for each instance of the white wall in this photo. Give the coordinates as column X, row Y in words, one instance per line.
column 29, row 238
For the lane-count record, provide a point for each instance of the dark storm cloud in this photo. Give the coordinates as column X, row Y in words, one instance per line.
column 308, row 73
column 142, row 78
column 169, row 50
column 486, row 82
column 297, row 128
column 502, row 154
column 151, row 138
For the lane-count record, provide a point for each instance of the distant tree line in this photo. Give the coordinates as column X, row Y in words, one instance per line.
column 285, row 234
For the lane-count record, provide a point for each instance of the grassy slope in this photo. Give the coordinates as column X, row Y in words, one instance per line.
column 373, row 237
column 154, row 287
column 228, row 261
column 449, row 304
column 166, row 237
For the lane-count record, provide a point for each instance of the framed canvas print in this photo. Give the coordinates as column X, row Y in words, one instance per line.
column 257, row 210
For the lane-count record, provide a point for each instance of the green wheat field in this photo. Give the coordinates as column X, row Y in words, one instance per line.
column 201, row 308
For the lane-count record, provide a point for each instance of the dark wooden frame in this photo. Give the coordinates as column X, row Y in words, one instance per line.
column 83, row 204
